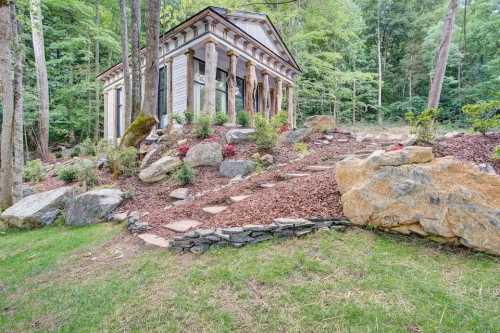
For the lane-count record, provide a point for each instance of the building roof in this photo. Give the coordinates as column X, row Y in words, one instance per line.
column 227, row 15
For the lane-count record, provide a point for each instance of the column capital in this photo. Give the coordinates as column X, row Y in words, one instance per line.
column 250, row 63
column 189, row 52
column 169, row 60
column 232, row 53
column 210, row 40
column 264, row 72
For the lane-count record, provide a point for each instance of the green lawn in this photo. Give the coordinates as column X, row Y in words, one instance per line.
column 97, row 279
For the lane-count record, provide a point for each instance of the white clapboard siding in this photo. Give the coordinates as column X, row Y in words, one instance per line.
column 179, row 77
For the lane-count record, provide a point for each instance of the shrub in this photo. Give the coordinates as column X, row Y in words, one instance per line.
column 203, row 129
column 483, row 116
column 265, row 136
column 76, row 151
column 280, row 120
column 301, row 148
column 34, row 171
column 496, row 154
column 410, row 118
column 58, row 154
column 86, row 173
column 221, row 118
column 104, row 146
column 229, row 150
column 242, row 119
column 88, row 148
column 185, row 174
column 182, row 150
column 424, row 124
column 127, row 161
column 189, row 117
column 178, row 118
column 68, row 173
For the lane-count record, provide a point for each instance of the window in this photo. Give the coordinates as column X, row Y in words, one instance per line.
column 240, row 95
column 118, row 112
column 162, row 98
column 199, row 88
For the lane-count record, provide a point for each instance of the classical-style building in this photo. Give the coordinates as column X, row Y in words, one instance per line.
column 215, row 61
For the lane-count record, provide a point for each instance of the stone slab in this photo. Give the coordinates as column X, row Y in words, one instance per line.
column 155, row 240
column 182, row 225
column 214, row 209
column 238, row 198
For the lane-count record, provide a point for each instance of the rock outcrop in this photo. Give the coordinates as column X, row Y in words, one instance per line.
column 238, row 135
column 233, row 168
column 158, row 170
column 204, row 154
column 408, row 191
column 37, row 210
column 93, row 206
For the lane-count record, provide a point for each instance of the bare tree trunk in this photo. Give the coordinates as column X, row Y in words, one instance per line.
column 151, row 71
column 97, row 128
column 41, row 76
column 442, row 56
column 126, row 69
column 6, row 78
column 354, row 103
column 380, row 82
column 136, row 59
column 18, row 165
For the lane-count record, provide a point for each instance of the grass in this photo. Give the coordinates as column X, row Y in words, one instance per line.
column 97, row 280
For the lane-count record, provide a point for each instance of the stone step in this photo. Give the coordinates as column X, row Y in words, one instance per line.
column 267, row 185
column 318, row 168
column 182, row 225
column 214, row 209
column 296, row 175
column 238, row 198
column 181, row 193
column 151, row 239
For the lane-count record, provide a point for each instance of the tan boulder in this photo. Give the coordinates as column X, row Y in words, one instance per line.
column 408, row 191
column 320, row 123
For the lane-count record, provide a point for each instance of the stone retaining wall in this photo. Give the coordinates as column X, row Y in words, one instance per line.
column 200, row 240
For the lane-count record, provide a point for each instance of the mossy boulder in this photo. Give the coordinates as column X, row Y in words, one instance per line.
column 138, row 130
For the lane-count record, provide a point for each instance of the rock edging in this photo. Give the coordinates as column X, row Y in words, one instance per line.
column 200, row 240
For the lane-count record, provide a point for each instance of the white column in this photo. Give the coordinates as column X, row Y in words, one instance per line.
column 210, row 77
column 290, row 106
column 232, row 86
column 266, row 96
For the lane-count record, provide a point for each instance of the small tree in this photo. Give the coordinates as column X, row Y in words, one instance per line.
column 483, row 116
column 203, row 129
column 265, row 135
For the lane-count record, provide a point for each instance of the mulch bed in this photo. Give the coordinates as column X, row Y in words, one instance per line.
column 474, row 148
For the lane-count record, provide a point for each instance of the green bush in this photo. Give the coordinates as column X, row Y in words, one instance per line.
column 88, row 148
column 34, row 171
column 127, row 161
column 410, row 118
column 179, row 119
column 265, row 135
column 483, row 116
column 104, row 146
column 87, row 175
column 58, row 154
column 185, row 174
column 68, row 173
column 242, row 119
column 496, row 154
column 279, row 120
column 301, row 148
column 76, row 151
column 221, row 118
column 423, row 125
column 189, row 116
column 203, row 127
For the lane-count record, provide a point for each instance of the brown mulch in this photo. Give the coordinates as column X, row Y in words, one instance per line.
column 474, row 148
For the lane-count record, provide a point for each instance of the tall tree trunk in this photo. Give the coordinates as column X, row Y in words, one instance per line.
column 136, row 59
column 7, row 79
column 97, row 127
column 442, row 56
column 380, row 82
column 18, row 165
column 41, row 76
column 354, row 103
column 151, row 71
column 126, row 69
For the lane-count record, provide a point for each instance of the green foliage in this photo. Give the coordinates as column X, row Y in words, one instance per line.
column 221, row 118
column 189, row 117
column 138, row 130
column 425, row 124
column 484, row 116
column 301, row 148
column 279, row 120
column 410, row 118
column 88, row 148
column 87, row 175
column 496, row 154
column 185, row 174
column 242, row 119
column 203, row 127
column 265, row 135
column 76, row 151
column 178, row 118
column 34, row 171
column 127, row 161
column 68, row 173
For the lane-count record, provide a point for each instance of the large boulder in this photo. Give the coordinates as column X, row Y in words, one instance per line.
column 233, row 168
column 320, row 123
column 407, row 191
column 297, row 135
column 93, row 206
column 238, row 135
column 158, row 170
column 204, row 154
column 39, row 209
